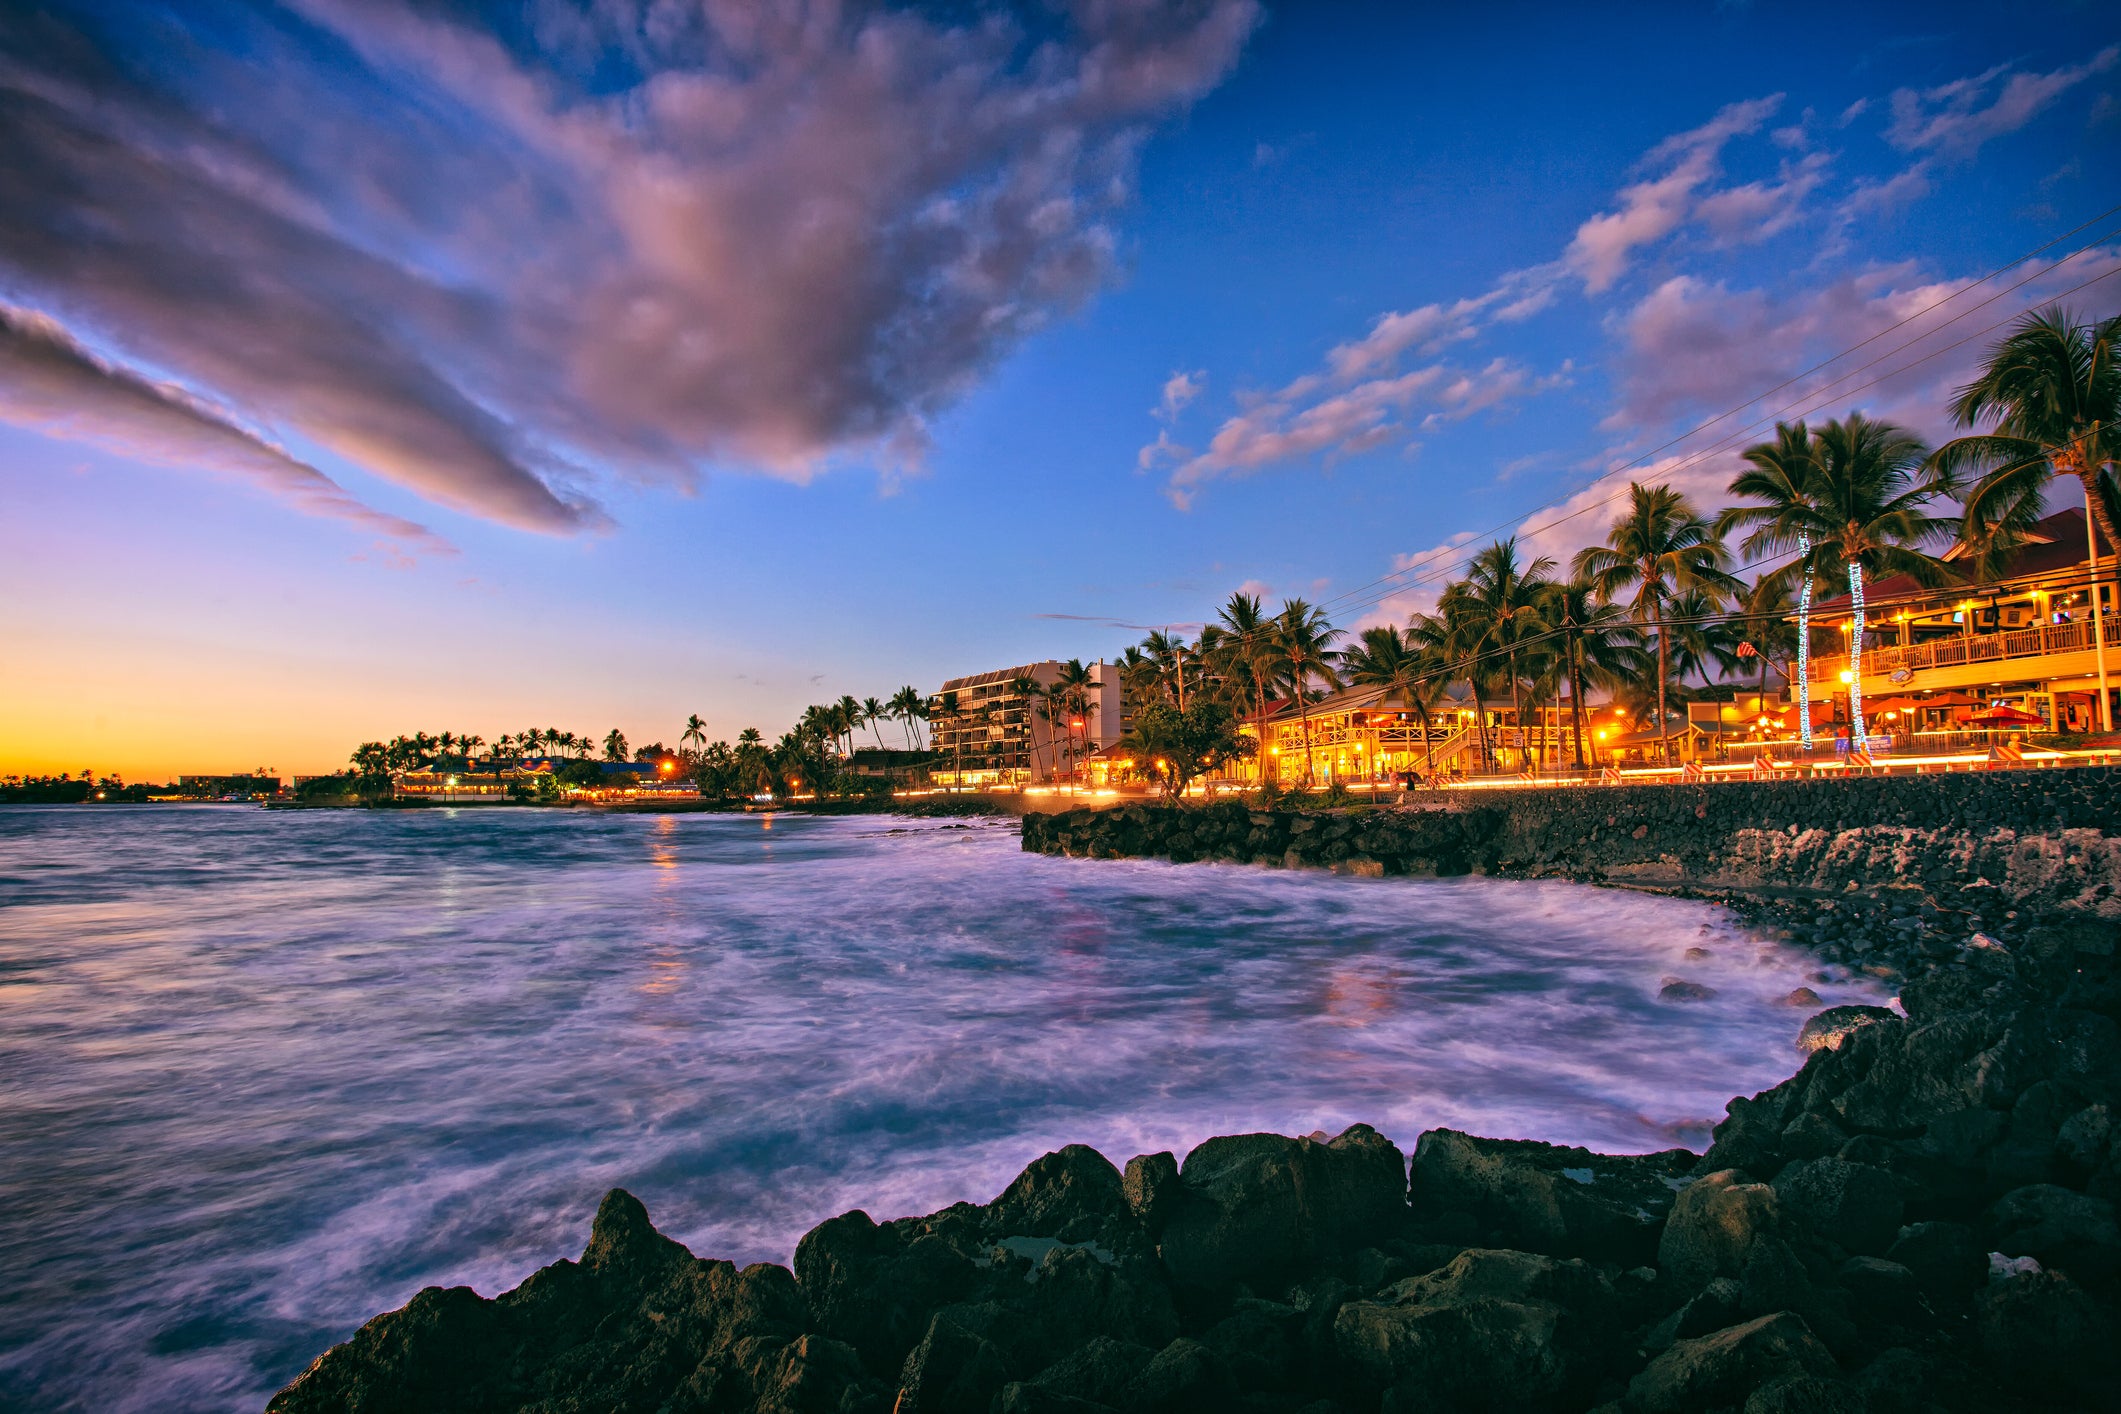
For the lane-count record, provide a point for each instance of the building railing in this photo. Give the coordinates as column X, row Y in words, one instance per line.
column 2039, row 641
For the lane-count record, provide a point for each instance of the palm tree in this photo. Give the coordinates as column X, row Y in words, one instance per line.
column 1384, row 658
column 1868, row 503
column 873, row 711
column 1660, row 548
column 850, row 719
column 1501, row 602
column 1597, row 646
column 1778, row 477
column 614, row 745
column 1072, row 691
column 1303, row 644
column 905, row 707
column 1170, row 655
column 947, row 704
column 1245, row 656
column 2054, row 391
column 1028, row 690
column 694, row 735
column 1769, row 628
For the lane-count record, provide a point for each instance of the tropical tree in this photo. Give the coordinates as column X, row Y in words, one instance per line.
column 1869, row 497
column 694, row 737
column 1303, row 645
column 2051, row 390
column 1384, row 657
column 1597, row 647
column 1177, row 747
column 1499, row 603
column 614, row 745
column 1245, row 656
column 1659, row 549
column 1774, row 629
column 874, row 711
column 908, row 707
column 1171, row 656
column 1070, row 696
column 1778, row 480
column 1704, row 638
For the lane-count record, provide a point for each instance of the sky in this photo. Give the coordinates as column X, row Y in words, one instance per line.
column 378, row 366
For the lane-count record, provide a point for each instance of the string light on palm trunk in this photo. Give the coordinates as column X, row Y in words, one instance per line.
column 1804, row 645
column 1856, row 655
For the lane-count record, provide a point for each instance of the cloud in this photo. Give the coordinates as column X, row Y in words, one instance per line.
column 1179, row 390
column 498, row 265
column 1757, row 210
column 1655, row 207
column 1693, row 347
column 52, row 384
column 1956, row 118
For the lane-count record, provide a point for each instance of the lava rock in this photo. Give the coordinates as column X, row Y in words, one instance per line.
column 2042, row 1329
column 1490, row 1321
column 1854, row 1206
column 2072, row 1231
column 1946, row 1259
column 1725, row 1368
column 1714, row 1225
column 1260, row 1208
column 1564, row 1202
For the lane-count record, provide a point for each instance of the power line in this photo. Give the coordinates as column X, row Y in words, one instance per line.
column 1346, row 600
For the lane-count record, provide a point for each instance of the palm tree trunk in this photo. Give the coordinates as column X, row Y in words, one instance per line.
column 1664, row 752
column 1524, row 738
column 1303, row 711
column 1480, row 724
column 1804, row 645
column 1856, row 730
column 2095, row 507
column 1575, row 693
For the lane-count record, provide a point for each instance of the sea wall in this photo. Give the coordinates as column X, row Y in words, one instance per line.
column 2036, row 839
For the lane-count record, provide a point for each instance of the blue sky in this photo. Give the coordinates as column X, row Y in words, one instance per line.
column 370, row 369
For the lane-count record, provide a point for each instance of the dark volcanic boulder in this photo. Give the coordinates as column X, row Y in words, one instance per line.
column 1494, row 1329
column 1853, row 1206
column 1260, row 1208
column 1831, row 1028
column 637, row 1323
column 2072, row 1231
column 1074, row 1195
column 1545, row 1198
column 1724, row 1369
column 2043, row 1330
column 1714, row 1226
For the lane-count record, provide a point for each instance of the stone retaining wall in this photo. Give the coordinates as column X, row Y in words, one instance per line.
column 2037, row 838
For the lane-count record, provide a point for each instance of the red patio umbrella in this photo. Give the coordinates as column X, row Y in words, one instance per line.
column 2008, row 717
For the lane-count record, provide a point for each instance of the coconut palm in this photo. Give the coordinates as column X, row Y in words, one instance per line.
column 1778, row 479
column 1383, row 657
column 1659, row 549
column 906, row 707
column 614, row 745
column 1302, row 642
column 1245, row 657
column 1499, row 601
column 1774, row 628
column 874, row 711
column 694, row 736
column 1597, row 647
column 2051, row 389
column 1172, row 657
column 1868, row 494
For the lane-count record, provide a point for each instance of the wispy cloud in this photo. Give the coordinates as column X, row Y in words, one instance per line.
column 1955, row 119
column 1653, row 208
column 53, row 384
column 500, row 266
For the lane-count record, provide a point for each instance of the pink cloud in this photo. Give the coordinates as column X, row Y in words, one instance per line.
column 1652, row 209
column 1956, row 118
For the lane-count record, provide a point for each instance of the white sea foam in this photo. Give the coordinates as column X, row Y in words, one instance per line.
column 270, row 1074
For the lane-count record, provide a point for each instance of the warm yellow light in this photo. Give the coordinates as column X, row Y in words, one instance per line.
column 1159, row 763
column 1600, row 733
column 1847, row 676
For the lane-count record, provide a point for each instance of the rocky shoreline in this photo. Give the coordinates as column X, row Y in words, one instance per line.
column 1922, row 1218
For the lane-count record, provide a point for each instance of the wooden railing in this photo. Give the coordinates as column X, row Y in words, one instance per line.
column 2038, row 641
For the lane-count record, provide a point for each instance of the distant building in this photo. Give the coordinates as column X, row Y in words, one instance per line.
column 244, row 783
column 986, row 730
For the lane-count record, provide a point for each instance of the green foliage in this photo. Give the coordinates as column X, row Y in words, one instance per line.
column 1175, row 748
